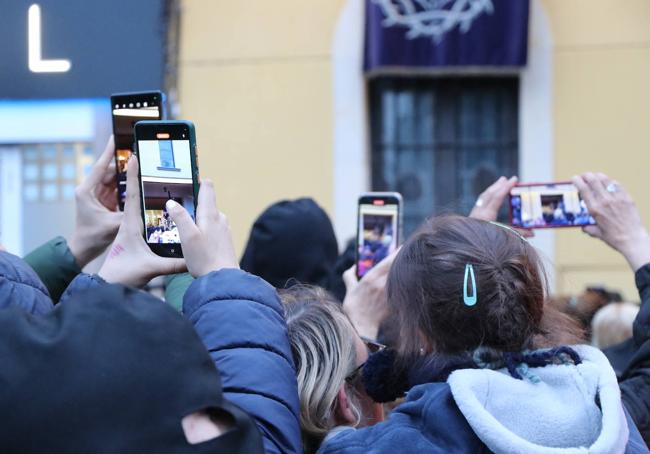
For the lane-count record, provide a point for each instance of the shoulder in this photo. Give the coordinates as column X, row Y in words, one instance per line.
column 21, row 287
column 230, row 285
column 428, row 421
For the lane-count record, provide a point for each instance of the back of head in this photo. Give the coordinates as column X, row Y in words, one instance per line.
column 613, row 324
column 426, row 288
column 292, row 240
column 110, row 370
column 323, row 347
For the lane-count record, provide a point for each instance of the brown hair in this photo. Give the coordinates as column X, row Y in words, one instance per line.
column 425, row 291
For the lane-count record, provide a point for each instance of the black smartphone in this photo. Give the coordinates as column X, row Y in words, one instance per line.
column 129, row 108
column 166, row 153
column 548, row 205
column 378, row 228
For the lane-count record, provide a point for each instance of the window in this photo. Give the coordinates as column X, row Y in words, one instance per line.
column 442, row 141
column 50, row 171
column 166, row 155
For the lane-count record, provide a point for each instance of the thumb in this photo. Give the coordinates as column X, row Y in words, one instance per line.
column 593, row 230
column 186, row 227
column 350, row 277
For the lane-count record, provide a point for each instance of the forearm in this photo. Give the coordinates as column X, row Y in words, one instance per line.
column 637, row 251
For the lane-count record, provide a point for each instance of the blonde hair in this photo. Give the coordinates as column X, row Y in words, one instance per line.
column 323, row 347
column 613, row 324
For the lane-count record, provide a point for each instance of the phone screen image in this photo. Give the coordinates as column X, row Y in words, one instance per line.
column 127, row 111
column 166, row 173
column 377, row 230
column 548, row 206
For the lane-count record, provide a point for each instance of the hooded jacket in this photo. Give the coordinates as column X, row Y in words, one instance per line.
column 571, row 409
column 292, row 239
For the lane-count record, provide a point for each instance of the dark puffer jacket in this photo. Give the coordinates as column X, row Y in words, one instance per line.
column 21, row 287
column 240, row 320
column 632, row 360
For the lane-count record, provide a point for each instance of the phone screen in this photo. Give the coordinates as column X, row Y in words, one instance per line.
column 548, row 205
column 377, row 231
column 166, row 164
column 127, row 110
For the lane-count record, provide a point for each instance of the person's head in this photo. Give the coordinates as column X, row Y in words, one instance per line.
column 114, row 370
column 292, row 240
column 427, row 284
column 613, row 324
column 328, row 354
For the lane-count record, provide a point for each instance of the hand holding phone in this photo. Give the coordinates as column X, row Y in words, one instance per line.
column 619, row 221
column 378, row 228
column 207, row 245
column 130, row 261
column 97, row 218
column 548, row 205
column 168, row 171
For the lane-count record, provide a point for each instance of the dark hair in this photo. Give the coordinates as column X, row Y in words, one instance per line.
column 425, row 291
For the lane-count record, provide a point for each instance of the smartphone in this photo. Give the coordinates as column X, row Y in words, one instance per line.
column 166, row 152
column 378, row 228
column 129, row 108
column 548, row 205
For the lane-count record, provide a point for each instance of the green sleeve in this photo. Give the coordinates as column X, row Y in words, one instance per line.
column 175, row 287
column 55, row 265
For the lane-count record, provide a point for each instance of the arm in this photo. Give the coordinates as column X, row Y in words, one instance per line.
column 240, row 320
column 176, row 286
column 57, row 262
column 635, row 380
column 55, row 266
column 619, row 226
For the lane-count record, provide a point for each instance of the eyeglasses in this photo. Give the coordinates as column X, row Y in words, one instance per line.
column 373, row 347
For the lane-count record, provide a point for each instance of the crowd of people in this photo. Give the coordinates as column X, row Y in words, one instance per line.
column 287, row 351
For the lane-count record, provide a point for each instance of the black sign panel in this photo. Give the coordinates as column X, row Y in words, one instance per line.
column 112, row 46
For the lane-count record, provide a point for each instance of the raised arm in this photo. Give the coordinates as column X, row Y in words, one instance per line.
column 240, row 320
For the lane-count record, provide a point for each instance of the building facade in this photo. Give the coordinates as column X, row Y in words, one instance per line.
column 283, row 109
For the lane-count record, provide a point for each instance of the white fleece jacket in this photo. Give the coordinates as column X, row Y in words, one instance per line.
column 573, row 409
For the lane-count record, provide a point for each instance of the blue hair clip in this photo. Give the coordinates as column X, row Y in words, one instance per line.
column 469, row 300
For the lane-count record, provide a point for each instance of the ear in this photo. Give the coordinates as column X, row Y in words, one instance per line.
column 343, row 414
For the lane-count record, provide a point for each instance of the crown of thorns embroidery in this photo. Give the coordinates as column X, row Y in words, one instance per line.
column 432, row 18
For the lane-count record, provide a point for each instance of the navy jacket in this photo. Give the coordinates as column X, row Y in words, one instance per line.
column 21, row 287
column 429, row 421
column 240, row 320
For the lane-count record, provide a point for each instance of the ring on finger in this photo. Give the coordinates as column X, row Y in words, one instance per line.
column 612, row 188
column 479, row 202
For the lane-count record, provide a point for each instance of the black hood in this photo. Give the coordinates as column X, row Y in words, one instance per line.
column 110, row 370
column 292, row 239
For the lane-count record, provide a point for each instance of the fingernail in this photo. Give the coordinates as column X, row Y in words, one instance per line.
column 171, row 204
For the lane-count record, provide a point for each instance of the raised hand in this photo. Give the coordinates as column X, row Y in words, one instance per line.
column 130, row 261
column 207, row 245
column 618, row 219
column 97, row 218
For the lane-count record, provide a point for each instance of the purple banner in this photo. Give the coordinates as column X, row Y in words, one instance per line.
column 442, row 33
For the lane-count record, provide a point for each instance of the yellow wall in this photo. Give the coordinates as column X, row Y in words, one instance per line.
column 255, row 77
column 601, row 113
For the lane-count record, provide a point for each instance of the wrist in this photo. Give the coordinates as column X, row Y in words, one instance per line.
column 81, row 254
column 637, row 250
